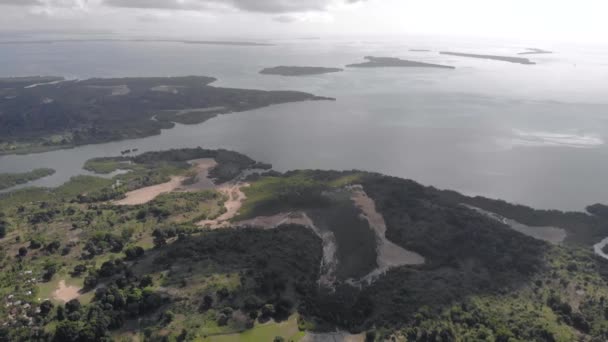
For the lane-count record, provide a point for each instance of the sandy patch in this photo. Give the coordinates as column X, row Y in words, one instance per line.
column 147, row 194
column 333, row 337
column 203, row 182
column 235, row 200
column 597, row 248
column 66, row 293
column 552, row 235
column 389, row 254
column 329, row 263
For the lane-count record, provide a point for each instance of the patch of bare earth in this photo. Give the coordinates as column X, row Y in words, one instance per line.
column 389, row 254
column 202, row 180
column 333, row 337
column 552, row 235
column 66, row 293
column 147, row 194
column 235, row 200
column 329, row 263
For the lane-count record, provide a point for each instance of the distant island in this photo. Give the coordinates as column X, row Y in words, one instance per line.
column 419, row 50
column 8, row 180
column 104, row 40
column 518, row 60
column 391, row 62
column 40, row 113
column 298, row 71
column 535, row 51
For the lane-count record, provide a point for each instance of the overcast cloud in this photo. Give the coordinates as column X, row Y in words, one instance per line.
column 583, row 20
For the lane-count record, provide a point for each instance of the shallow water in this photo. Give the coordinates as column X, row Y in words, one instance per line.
column 531, row 134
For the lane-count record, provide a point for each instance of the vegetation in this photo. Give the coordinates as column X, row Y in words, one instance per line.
column 148, row 271
column 71, row 113
column 8, row 180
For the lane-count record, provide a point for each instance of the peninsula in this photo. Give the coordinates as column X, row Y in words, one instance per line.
column 55, row 114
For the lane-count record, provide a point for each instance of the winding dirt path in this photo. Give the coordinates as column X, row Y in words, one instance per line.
column 234, row 203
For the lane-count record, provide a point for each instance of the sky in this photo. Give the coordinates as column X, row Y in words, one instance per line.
column 566, row 20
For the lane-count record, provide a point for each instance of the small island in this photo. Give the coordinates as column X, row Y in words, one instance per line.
column 392, row 62
column 298, row 71
column 420, row 50
column 535, row 51
column 518, row 60
column 8, row 180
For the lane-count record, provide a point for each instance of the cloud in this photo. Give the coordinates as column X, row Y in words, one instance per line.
column 20, row 2
column 285, row 19
column 263, row 6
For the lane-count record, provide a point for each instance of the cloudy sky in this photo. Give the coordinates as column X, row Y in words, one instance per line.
column 581, row 20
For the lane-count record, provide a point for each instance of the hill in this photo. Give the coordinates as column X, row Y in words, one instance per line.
column 254, row 253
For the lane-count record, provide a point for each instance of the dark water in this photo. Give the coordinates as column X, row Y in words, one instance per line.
column 528, row 134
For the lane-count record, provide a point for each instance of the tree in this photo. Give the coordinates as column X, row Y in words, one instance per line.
column 134, row 252
column 2, row 229
column 79, row 269
column 46, row 307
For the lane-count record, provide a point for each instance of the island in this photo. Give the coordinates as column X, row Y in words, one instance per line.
column 9, row 180
column 391, row 62
column 298, row 71
column 52, row 115
column 535, row 51
column 420, row 50
column 518, row 60
column 135, row 40
column 209, row 245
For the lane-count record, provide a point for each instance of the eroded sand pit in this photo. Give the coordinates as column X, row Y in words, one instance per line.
column 329, row 263
column 389, row 254
column 552, row 235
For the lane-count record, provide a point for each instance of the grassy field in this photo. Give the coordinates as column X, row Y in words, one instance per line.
column 263, row 332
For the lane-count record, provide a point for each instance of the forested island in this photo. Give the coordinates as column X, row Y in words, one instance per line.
column 210, row 245
column 518, row 60
column 390, row 62
column 298, row 71
column 58, row 114
column 8, row 180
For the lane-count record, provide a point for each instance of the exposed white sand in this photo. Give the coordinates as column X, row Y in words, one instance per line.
column 552, row 235
column 389, row 254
